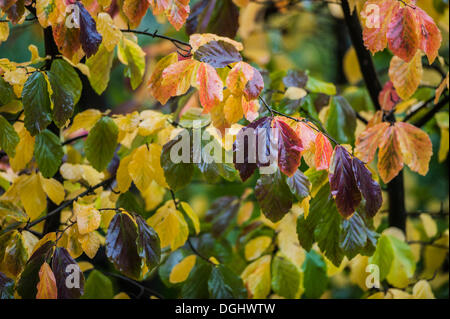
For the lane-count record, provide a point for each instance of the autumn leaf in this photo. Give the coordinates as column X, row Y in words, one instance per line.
column 403, row 33
column 343, row 183
column 323, row 152
column 289, row 147
column 210, row 87
column 46, row 288
column 388, row 97
column 406, row 76
column 89, row 37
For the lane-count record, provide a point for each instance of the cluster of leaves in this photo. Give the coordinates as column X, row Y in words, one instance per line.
column 308, row 219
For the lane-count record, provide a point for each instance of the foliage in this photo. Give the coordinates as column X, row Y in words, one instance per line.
column 76, row 177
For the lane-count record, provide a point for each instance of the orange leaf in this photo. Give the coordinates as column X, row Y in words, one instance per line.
column 403, row 33
column 238, row 77
column 406, row 76
column 47, row 283
column 415, row 146
column 368, row 141
column 156, row 78
column 177, row 12
column 178, row 77
column 376, row 16
column 210, row 87
column 250, row 109
column 431, row 37
column 390, row 161
column 135, row 10
column 323, row 152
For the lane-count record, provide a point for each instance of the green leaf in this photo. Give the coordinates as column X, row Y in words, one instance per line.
column 317, row 86
column 355, row 235
column 29, row 278
column 48, row 153
column 299, row 185
column 36, row 103
column 121, row 245
column 66, row 87
column 274, row 195
column 315, row 275
column 196, row 285
column 341, row 121
column 177, row 175
column 8, row 137
column 325, row 221
column 101, row 143
column 6, row 92
column 395, row 260
column 305, row 232
column 317, row 179
column 286, row 277
column 8, row 209
column 148, row 243
column 225, row 284
column 6, row 287
column 100, row 69
column 383, row 256
column 98, row 286
column 132, row 55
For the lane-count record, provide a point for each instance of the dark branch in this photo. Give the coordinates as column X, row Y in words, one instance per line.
column 427, row 117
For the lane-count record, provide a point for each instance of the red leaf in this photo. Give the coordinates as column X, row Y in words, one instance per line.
column 430, row 35
column 246, row 145
column 343, row 183
column 403, row 33
column 323, row 152
column 369, row 188
column 254, row 86
column 210, row 87
column 289, row 148
column 388, row 97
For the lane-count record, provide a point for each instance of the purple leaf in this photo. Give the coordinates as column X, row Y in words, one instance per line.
column 89, row 37
column 369, row 188
column 254, row 87
column 121, row 245
column 61, row 261
column 343, row 182
column 289, row 148
column 246, row 146
column 218, row 54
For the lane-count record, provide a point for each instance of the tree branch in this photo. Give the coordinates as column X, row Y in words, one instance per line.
column 427, row 117
column 364, row 58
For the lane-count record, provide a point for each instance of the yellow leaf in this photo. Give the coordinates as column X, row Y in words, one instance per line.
column 85, row 266
column 443, row 147
column 197, row 40
column 122, row 176
column 90, row 243
column 32, row 196
column 69, row 240
column 111, row 34
column 85, row 120
column 256, row 247
column 358, row 274
column 181, row 271
column 232, row 109
column 244, row 213
column 287, row 238
column 4, row 32
column 434, row 256
column 295, row 93
column 88, row 218
column 146, row 166
column 170, row 225
column 351, row 66
column 406, row 76
column 24, row 150
column 257, row 278
column 122, row 295
column 422, row 290
column 53, row 189
column 46, row 288
column 153, row 196
column 152, row 122
column 192, row 216
column 429, row 225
